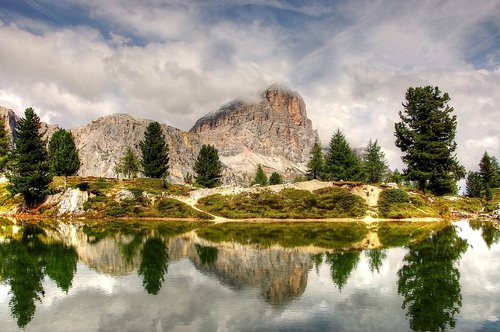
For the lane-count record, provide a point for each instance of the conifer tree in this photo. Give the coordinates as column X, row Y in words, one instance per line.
column 490, row 171
column 342, row 163
column 260, row 177
column 5, row 147
column 208, row 167
column 30, row 170
column 396, row 177
column 426, row 136
column 275, row 178
column 473, row 184
column 316, row 165
column 63, row 155
column 128, row 164
column 374, row 163
column 154, row 151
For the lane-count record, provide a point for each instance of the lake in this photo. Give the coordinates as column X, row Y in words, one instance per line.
column 179, row 276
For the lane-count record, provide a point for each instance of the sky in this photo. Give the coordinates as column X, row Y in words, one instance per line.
column 174, row 61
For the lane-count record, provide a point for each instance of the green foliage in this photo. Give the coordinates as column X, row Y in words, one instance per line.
column 207, row 255
column 341, row 162
column 30, row 170
column 396, row 203
column 332, row 235
column 473, row 184
column 398, row 234
column 128, row 165
column 430, row 282
column 208, row 167
column 316, row 165
column 154, row 151
column 260, row 177
column 154, row 264
column 375, row 259
column 426, row 136
column 395, row 177
column 489, row 233
column 5, row 147
column 341, row 266
column 374, row 163
column 275, row 178
column 489, row 171
column 63, row 154
column 172, row 208
column 288, row 203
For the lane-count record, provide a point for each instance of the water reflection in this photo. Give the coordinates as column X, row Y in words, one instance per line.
column 25, row 261
column 430, row 282
column 166, row 259
column 490, row 230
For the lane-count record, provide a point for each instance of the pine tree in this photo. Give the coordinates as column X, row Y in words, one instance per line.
column 128, row 164
column 341, row 161
column 490, row 171
column 426, row 136
column 260, row 177
column 63, row 155
column 275, row 178
column 473, row 184
column 154, row 151
column 316, row 166
column 208, row 167
column 5, row 147
column 374, row 163
column 395, row 177
column 30, row 170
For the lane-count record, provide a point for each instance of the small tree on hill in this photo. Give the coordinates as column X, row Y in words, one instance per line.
column 473, row 184
column 395, row 177
column 341, row 161
column 316, row 165
column 154, row 151
column 426, row 136
column 275, row 178
column 5, row 147
column 208, row 167
column 30, row 170
column 374, row 163
column 63, row 155
column 490, row 171
column 128, row 164
column 260, row 177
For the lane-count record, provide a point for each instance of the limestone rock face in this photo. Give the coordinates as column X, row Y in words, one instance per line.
column 104, row 141
column 274, row 132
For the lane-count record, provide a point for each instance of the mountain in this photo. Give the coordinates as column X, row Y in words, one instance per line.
column 274, row 132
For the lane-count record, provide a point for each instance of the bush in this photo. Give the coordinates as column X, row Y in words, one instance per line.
column 393, row 201
column 83, row 186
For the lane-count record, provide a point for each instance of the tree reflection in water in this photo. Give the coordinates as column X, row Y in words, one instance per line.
column 490, row 234
column 430, row 283
column 25, row 262
column 154, row 264
column 341, row 266
column 375, row 259
column 208, row 255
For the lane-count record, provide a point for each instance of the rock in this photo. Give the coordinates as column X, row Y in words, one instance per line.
column 274, row 132
column 496, row 214
column 71, row 202
column 124, row 194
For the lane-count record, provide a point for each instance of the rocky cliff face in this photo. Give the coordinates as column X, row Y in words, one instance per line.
column 274, row 132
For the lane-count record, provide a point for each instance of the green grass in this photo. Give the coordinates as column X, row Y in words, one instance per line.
column 286, row 204
column 398, row 204
column 397, row 234
column 324, row 235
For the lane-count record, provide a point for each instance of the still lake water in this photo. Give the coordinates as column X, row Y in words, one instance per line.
column 164, row 277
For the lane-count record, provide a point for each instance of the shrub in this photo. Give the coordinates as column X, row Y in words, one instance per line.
column 83, row 186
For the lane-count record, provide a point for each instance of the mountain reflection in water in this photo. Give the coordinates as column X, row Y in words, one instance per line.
column 320, row 281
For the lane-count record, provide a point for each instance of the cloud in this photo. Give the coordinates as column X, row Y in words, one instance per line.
column 175, row 61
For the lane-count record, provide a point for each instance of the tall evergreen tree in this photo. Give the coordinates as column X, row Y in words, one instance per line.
column 473, row 184
column 5, row 147
column 260, row 177
column 63, row 155
column 490, row 171
column 128, row 164
column 154, row 151
column 208, row 167
column 316, row 165
column 342, row 163
column 426, row 136
column 374, row 163
column 30, row 170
